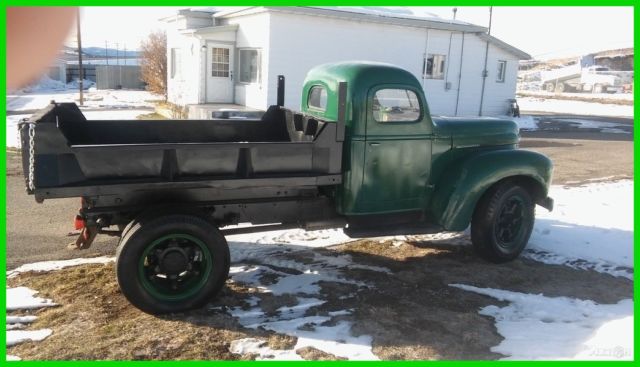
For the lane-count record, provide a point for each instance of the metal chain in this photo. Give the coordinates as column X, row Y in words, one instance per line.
column 32, row 134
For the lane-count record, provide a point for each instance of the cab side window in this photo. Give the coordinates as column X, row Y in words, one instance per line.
column 317, row 98
column 396, row 105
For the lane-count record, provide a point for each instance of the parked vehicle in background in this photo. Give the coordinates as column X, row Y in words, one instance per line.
column 364, row 154
column 593, row 79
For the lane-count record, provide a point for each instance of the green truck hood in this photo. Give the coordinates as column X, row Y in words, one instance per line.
column 478, row 132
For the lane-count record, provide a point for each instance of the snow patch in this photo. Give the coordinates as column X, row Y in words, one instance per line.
column 20, row 336
column 591, row 227
column 293, row 269
column 539, row 327
column 13, row 358
column 58, row 264
column 21, row 319
column 23, row 298
column 526, row 122
column 531, row 104
column 604, row 126
column 259, row 347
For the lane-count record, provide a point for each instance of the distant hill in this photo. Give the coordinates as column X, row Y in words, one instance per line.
column 93, row 52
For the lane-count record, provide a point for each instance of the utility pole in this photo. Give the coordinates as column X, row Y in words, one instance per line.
column 80, row 62
column 485, row 72
column 117, row 59
column 455, row 10
column 106, row 52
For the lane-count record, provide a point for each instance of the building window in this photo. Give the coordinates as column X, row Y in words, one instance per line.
column 317, row 98
column 396, row 105
column 433, row 66
column 249, row 66
column 220, row 62
column 502, row 70
column 176, row 63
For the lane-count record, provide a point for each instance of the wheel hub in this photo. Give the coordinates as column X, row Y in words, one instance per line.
column 174, row 261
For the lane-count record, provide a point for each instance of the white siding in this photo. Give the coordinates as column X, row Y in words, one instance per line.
column 292, row 43
column 497, row 94
column 300, row 42
column 185, row 88
column 253, row 32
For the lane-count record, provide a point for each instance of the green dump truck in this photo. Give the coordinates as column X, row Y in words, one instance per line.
column 363, row 154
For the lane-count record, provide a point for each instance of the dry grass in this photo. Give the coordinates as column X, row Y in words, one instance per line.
column 313, row 354
column 95, row 321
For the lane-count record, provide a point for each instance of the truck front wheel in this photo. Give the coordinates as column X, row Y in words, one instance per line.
column 502, row 222
column 171, row 263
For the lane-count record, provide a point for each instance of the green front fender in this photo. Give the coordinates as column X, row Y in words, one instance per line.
column 457, row 193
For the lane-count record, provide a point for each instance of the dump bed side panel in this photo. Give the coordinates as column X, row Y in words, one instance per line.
column 79, row 153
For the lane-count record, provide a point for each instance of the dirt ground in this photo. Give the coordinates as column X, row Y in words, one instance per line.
column 411, row 312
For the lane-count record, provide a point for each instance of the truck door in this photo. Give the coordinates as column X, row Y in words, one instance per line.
column 397, row 150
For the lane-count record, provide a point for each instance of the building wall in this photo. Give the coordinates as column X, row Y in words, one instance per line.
column 497, row 94
column 253, row 32
column 185, row 88
column 292, row 43
column 300, row 42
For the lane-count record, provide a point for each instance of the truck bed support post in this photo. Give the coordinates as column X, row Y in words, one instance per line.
column 342, row 110
column 280, row 101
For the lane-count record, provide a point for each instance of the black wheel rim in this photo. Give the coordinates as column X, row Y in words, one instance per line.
column 175, row 267
column 510, row 226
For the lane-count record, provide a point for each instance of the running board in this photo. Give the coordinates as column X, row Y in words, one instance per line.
column 391, row 230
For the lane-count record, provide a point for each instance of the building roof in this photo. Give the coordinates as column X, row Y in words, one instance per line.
column 505, row 46
column 360, row 14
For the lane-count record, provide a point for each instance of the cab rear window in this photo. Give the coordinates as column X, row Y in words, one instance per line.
column 396, row 105
column 317, row 98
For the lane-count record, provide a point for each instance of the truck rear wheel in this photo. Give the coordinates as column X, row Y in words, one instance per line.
column 171, row 263
column 502, row 222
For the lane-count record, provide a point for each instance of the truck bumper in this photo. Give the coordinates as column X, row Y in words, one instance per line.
column 546, row 203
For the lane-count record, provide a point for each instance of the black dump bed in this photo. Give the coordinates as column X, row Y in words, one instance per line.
column 68, row 155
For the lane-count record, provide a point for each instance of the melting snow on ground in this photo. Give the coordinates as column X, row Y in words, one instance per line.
column 604, row 126
column 58, row 264
column 539, row 327
column 591, row 227
column 530, row 104
column 24, row 299
column 283, row 265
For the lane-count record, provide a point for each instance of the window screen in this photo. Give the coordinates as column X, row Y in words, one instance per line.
column 433, row 66
column 176, row 62
column 396, row 105
column 502, row 69
column 317, row 98
column 249, row 65
column 220, row 62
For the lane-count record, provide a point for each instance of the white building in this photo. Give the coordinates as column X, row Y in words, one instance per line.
column 235, row 56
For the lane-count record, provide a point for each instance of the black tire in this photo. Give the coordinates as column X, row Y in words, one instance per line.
column 560, row 88
column 502, row 222
column 549, row 87
column 186, row 237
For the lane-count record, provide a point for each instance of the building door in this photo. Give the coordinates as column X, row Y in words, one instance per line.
column 219, row 76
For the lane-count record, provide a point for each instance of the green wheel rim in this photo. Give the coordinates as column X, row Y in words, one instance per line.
column 185, row 250
column 510, row 226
